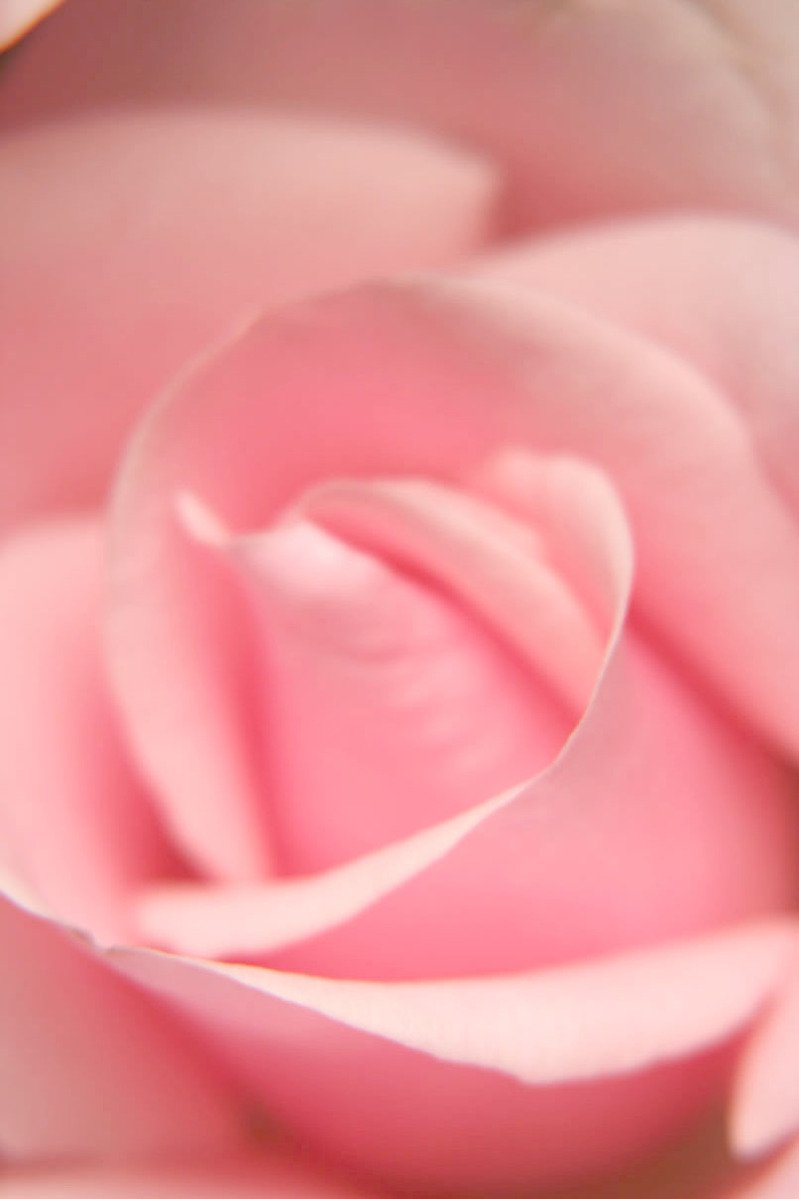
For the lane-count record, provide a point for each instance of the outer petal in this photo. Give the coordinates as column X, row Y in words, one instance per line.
column 574, row 98
column 91, row 1068
column 722, row 293
column 133, row 239
column 293, row 1037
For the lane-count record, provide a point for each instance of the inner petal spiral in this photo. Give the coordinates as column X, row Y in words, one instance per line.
column 389, row 702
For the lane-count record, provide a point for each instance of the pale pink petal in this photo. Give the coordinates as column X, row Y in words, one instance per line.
column 294, row 1038
column 251, row 1177
column 18, row 16
column 483, row 557
column 575, row 99
column 90, row 1066
column 135, row 237
column 579, row 510
column 601, row 1017
column 76, row 823
column 659, row 819
column 386, row 705
column 721, row 292
column 573, row 506
column 766, row 1109
column 243, row 919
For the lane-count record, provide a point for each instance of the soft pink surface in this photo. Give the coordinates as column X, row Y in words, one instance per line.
column 90, row 1067
column 414, row 711
column 721, row 293
column 76, row 823
column 166, row 226
column 778, row 1180
column 594, row 1028
column 592, row 108
column 245, row 1178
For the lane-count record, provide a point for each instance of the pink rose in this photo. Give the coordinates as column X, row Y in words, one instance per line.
column 399, row 717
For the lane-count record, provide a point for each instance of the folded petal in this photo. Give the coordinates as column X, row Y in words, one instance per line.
column 720, row 292
column 574, row 99
column 291, row 1036
column 134, row 238
column 483, row 556
column 601, row 1017
column 90, row 1066
column 386, row 704
column 255, row 919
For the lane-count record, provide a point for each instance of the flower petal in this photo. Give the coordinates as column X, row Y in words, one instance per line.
column 480, row 554
column 292, row 1036
column 90, row 1066
column 721, row 292
column 76, row 823
column 164, row 227
column 387, row 706
column 573, row 98
column 578, row 1021
column 231, row 920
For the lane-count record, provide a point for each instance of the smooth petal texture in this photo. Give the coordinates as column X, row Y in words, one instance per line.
column 259, row 918
column 386, row 705
column 720, row 292
column 486, row 559
column 478, row 368
column 766, row 1104
column 76, row 824
column 571, row 1022
column 90, row 1067
column 291, row 1036
column 657, row 820
column 17, row 17
column 573, row 98
column 166, row 226
column 245, row 1178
